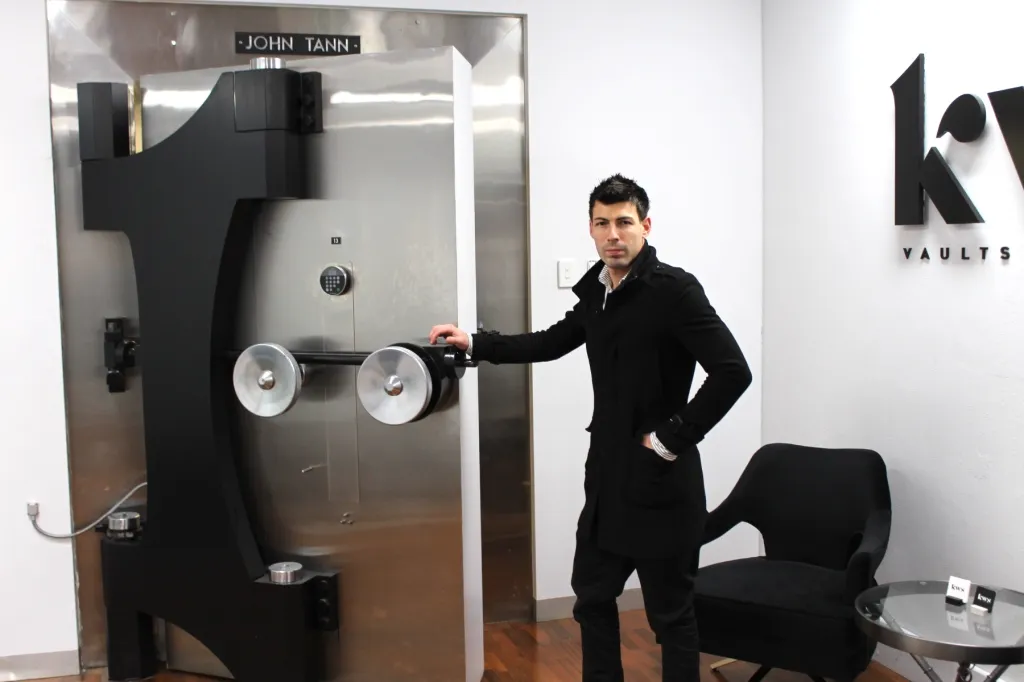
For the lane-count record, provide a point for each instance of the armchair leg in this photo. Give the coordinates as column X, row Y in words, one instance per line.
column 756, row 677
column 762, row 671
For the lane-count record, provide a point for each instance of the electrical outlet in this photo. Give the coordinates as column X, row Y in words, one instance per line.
column 568, row 273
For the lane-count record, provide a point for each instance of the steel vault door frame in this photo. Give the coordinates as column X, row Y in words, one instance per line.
column 105, row 432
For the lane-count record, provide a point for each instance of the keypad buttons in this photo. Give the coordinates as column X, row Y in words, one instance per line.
column 335, row 280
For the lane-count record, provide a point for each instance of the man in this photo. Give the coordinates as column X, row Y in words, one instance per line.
column 645, row 325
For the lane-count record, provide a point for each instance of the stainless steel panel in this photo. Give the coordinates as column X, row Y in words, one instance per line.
column 499, row 96
column 386, row 163
column 304, row 495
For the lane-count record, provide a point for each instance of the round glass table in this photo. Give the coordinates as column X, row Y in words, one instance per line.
column 914, row 617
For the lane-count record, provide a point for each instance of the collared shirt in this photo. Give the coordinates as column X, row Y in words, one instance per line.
column 605, row 278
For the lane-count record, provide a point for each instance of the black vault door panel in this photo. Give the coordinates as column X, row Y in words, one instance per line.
column 187, row 206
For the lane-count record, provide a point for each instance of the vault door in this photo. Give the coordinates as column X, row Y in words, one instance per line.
column 120, row 41
column 395, row 509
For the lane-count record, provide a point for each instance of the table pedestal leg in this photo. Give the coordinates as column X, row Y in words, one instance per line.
column 963, row 671
column 927, row 668
column 996, row 673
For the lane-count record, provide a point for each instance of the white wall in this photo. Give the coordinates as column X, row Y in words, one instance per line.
column 668, row 92
column 37, row 590
column 920, row 361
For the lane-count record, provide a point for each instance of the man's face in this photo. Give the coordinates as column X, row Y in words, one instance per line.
column 618, row 233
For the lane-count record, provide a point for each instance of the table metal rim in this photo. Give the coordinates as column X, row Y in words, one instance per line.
column 946, row 651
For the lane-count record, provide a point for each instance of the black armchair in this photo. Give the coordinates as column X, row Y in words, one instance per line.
column 824, row 515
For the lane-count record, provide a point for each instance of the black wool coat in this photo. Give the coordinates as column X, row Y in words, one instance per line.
column 643, row 344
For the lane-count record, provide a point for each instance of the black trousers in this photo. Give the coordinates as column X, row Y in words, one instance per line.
column 598, row 578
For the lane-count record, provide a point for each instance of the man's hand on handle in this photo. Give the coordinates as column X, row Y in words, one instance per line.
column 451, row 334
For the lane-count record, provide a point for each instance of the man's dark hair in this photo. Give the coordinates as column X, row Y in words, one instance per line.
column 615, row 190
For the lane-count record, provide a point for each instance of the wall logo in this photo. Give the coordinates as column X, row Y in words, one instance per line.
column 920, row 176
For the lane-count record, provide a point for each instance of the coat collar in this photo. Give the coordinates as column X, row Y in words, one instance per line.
column 641, row 268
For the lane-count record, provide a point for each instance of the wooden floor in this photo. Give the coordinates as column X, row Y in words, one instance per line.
column 550, row 652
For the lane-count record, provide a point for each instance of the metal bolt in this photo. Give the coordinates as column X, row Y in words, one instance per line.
column 285, row 572
column 393, row 385
column 266, row 380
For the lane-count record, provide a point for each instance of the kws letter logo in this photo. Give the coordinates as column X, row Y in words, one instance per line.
column 918, row 174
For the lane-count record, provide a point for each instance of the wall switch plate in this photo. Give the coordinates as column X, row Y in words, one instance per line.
column 591, row 263
column 568, row 273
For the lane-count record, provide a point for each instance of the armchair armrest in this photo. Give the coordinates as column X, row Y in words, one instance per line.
column 860, row 570
column 722, row 519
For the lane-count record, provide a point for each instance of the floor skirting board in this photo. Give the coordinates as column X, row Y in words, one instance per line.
column 558, row 608
column 37, row 666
